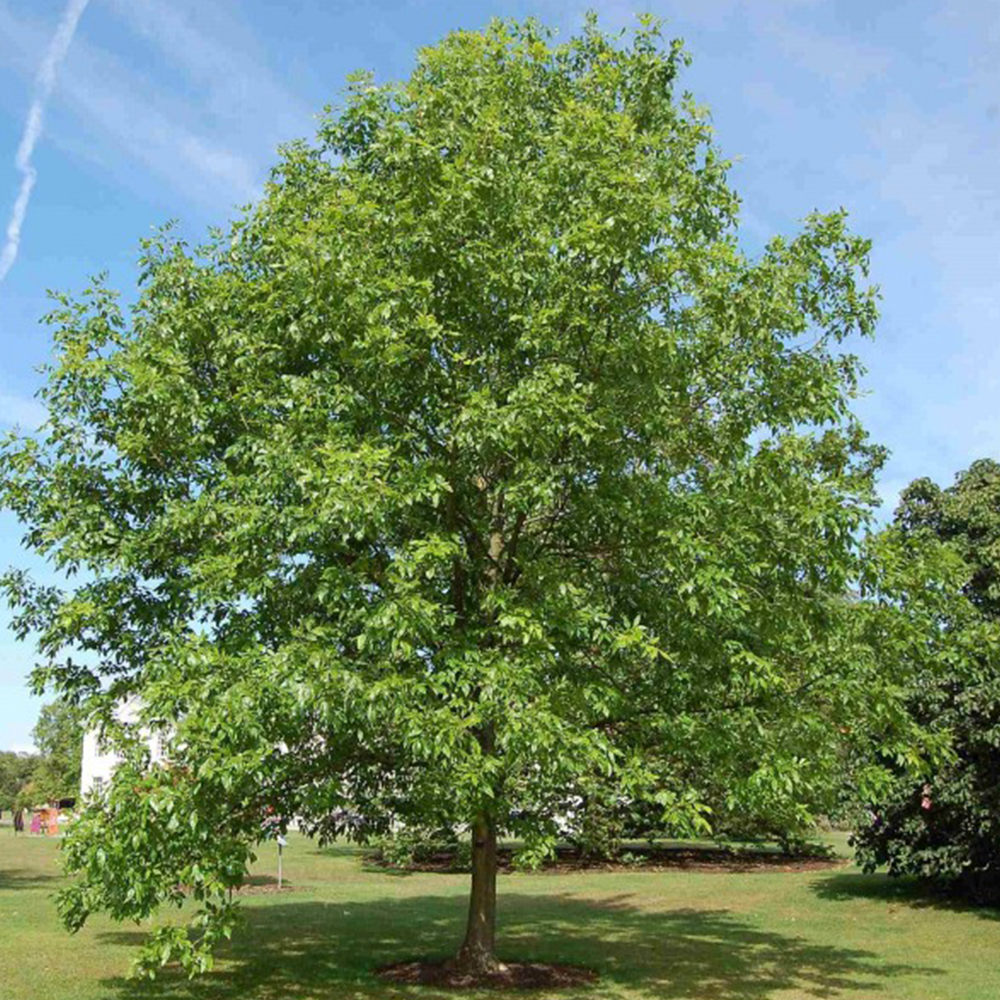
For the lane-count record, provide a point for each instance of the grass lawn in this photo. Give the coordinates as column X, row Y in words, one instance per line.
column 670, row 935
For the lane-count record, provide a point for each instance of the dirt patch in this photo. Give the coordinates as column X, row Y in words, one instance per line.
column 266, row 890
column 511, row 976
column 265, row 885
column 644, row 858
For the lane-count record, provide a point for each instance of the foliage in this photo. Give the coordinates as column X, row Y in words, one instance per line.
column 411, row 846
column 597, row 820
column 172, row 819
column 475, row 463
column 58, row 734
column 945, row 825
column 16, row 770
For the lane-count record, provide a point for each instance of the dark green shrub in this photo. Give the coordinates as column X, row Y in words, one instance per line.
column 945, row 828
column 599, row 824
column 413, row 846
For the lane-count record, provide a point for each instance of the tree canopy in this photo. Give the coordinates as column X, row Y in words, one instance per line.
column 477, row 460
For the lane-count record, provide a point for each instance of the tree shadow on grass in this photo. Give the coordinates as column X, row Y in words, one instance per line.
column 899, row 891
column 315, row 949
column 24, row 878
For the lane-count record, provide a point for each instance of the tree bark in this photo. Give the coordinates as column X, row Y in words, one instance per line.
column 477, row 956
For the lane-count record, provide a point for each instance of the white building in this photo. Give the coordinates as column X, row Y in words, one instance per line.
column 98, row 764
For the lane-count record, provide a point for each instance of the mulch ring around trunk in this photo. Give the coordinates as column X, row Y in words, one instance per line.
column 266, row 890
column 643, row 858
column 265, row 885
column 510, row 976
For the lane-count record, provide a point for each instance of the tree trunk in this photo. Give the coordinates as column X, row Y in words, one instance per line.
column 477, row 956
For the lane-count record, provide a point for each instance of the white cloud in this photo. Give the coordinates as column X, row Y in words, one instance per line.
column 19, row 411
column 12, row 241
column 197, row 39
column 207, row 129
column 710, row 14
column 44, row 82
column 847, row 63
column 203, row 169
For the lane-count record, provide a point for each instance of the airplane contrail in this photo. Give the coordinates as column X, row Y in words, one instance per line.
column 44, row 82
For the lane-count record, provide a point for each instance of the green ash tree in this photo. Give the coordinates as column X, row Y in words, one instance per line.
column 475, row 463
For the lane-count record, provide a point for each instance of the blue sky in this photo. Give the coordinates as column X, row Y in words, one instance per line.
column 173, row 108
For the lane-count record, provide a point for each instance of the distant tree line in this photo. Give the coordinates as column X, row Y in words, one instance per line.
column 53, row 772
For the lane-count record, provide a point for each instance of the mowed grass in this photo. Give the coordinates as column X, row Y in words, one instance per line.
column 668, row 935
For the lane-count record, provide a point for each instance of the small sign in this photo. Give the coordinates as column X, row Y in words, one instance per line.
column 281, row 841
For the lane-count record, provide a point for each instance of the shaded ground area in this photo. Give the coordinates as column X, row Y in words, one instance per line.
column 900, row 893
column 511, row 976
column 301, row 949
column 25, row 878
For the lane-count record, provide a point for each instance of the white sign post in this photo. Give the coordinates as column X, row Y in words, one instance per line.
column 281, row 846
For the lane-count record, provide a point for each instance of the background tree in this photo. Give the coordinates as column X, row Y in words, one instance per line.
column 54, row 771
column 473, row 464
column 944, row 825
column 58, row 735
column 16, row 770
